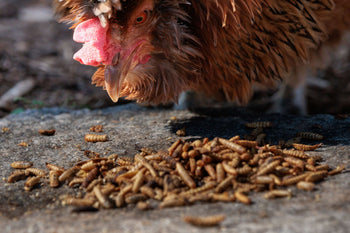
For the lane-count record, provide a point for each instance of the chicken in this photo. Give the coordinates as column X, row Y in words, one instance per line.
column 153, row 50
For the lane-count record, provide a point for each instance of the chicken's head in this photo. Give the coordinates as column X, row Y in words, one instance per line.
column 144, row 49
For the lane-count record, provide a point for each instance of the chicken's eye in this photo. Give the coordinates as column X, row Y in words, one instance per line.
column 141, row 18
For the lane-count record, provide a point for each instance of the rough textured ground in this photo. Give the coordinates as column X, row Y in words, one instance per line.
column 130, row 128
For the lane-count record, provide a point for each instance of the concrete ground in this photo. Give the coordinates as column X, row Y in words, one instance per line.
column 130, row 128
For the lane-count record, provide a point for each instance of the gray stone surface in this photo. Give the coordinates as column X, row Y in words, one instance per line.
column 130, row 127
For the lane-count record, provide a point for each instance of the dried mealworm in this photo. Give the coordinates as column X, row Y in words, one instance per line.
column 322, row 167
column 316, row 176
column 90, row 177
column 229, row 169
column 143, row 161
column 35, row 171
column 103, row 199
column 53, row 167
column 304, row 147
column 220, row 173
column 16, row 176
column 306, row 185
column 53, row 176
column 185, row 176
column 47, row 132
column 96, row 128
column 76, row 180
column 21, row 164
column 278, row 193
column 225, row 197
column 259, row 124
column 134, row 198
column 295, row 162
column 172, row 202
column 337, row 170
column 147, row 191
column 224, row 184
column 247, row 143
column 143, row 205
column 207, row 186
column 173, row 147
column 233, row 146
column 263, row 180
column 78, row 202
column 67, row 174
column 296, row 154
column 31, row 182
column 294, row 179
column 242, row 198
column 211, row 171
column 310, row 135
column 96, row 138
column 207, row 221
column 268, row 168
column 139, row 179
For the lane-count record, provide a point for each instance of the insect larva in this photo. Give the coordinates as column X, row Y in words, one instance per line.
column 224, row 184
column 134, row 198
column 78, row 202
column 242, row 198
column 90, row 177
column 295, row 153
column 172, row 148
column 245, row 170
column 125, row 161
column 322, row 167
column 35, row 171
column 233, row 146
column 139, row 178
column 21, row 164
column 181, row 132
column 220, row 173
column 53, row 167
column 143, row 205
column 16, row 176
column 316, row 176
column 76, row 180
column 265, row 155
column 259, row 124
column 96, row 128
column 247, row 143
column 304, row 147
column 47, row 132
column 24, row 144
column 337, row 170
column 207, row 186
column 207, row 221
column 67, row 174
column 96, row 138
column 294, row 179
column 172, row 202
column 278, row 193
column 211, row 171
column 264, row 180
column 147, row 191
column 229, row 169
column 225, row 197
column 31, row 182
column 143, row 161
column 310, row 167
column 103, row 199
column 53, row 177
column 268, row 168
column 310, row 135
column 185, row 176
column 295, row 162
column 88, row 166
column 306, row 185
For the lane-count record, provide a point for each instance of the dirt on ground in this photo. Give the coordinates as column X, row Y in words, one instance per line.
column 37, row 49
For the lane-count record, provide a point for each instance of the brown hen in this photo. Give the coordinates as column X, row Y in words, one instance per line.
column 160, row 48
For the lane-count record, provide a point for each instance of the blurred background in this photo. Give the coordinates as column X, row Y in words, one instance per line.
column 37, row 69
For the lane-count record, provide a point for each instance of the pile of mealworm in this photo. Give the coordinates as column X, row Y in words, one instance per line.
column 188, row 172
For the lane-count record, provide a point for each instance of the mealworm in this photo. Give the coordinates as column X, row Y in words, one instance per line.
column 207, row 221
column 53, row 167
column 35, row 171
column 278, row 193
column 47, row 132
column 263, row 180
column 205, row 187
column 259, row 124
column 304, row 147
column 103, row 199
column 53, row 176
column 172, row 202
column 337, row 170
column 21, row 164
column 78, row 202
column 294, row 179
column 31, row 182
column 220, row 173
column 143, row 205
column 139, row 179
column 147, row 191
column 96, row 128
column 233, row 146
column 96, row 138
column 185, row 176
column 268, row 168
column 225, row 197
column 306, row 185
column 310, row 135
column 172, row 148
column 134, row 198
column 67, row 174
column 211, row 171
column 90, row 177
column 242, row 198
column 316, row 176
column 143, row 161
column 247, row 143
column 16, row 176
column 224, row 184
column 295, row 162
column 296, row 154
